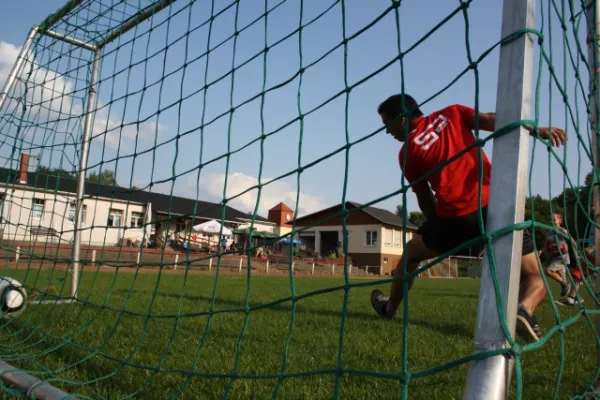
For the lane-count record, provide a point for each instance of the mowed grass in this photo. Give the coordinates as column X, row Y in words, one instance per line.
column 152, row 336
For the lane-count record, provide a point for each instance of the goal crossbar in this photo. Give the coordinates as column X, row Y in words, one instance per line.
column 132, row 22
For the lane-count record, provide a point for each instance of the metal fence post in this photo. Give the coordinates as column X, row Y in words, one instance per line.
column 489, row 378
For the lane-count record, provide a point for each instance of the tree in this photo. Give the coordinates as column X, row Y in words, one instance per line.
column 541, row 210
column 416, row 217
column 576, row 204
column 399, row 210
column 106, row 177
column 573, row 203
column 43, row 170
column 589, row 178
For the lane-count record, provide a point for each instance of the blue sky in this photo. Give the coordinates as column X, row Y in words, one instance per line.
column 168, row 143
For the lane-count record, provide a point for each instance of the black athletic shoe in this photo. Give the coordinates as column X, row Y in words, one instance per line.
column 379, row 303
column 527, row 326
column 565, row 290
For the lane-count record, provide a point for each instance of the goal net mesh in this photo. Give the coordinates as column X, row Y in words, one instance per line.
column 220, row 110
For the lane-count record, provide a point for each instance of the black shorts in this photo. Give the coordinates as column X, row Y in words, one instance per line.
column 444, row 234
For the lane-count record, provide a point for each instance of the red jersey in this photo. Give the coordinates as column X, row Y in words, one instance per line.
column 433, row 140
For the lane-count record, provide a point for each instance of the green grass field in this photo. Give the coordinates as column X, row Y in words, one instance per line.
column 149, row 336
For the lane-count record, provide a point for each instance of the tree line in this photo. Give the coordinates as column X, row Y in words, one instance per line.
column 105, row 177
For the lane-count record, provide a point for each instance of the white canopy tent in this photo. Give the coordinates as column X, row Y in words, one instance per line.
column 212, row 227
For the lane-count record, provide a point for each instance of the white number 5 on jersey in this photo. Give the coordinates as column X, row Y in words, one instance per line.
column 430, row 135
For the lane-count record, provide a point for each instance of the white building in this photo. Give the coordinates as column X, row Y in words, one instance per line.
column 39, row 207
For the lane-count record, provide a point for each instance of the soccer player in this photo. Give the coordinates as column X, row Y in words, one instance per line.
column 452, row 212
column 585, row 272
column 557, row 249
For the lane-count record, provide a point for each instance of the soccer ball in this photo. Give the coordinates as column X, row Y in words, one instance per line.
column 13, row 297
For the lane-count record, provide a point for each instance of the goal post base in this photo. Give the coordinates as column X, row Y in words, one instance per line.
column 32, row 386
column 58, row 301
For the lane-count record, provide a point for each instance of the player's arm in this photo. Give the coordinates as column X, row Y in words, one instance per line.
column 427, row 202
column 425, row 197
column 544, row 249
column 487, row 122
column 592, row 248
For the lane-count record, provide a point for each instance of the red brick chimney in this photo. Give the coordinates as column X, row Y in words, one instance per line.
column 281, row 214
column 23, row 168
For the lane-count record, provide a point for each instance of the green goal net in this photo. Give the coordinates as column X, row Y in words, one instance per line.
column 198, row 197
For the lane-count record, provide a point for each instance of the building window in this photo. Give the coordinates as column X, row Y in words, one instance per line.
column 385, row 260
column 137, row 220
column 37, row 209
column 114, row 218
column 398, row 238
column 72, row 213
column 388, row 237
column 370, row 238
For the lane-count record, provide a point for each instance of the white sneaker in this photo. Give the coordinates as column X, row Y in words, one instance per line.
column 566, row 301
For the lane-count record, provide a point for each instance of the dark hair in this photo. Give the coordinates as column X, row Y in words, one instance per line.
column 393, row 106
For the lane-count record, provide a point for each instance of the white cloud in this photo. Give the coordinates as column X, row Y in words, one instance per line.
column 48, row 90
column 211, row 185
column 8, row 56
column 108, row 131
column 48, row 98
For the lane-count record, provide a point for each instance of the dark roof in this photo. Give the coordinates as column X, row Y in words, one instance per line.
column 160, row 202
column 383, row 216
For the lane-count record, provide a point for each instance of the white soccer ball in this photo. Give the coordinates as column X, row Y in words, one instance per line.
column 13, row 297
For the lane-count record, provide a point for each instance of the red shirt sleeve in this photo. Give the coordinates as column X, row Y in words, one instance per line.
column 466, row 114
column 411, row 172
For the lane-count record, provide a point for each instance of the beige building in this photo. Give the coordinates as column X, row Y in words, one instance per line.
column 375, row 235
